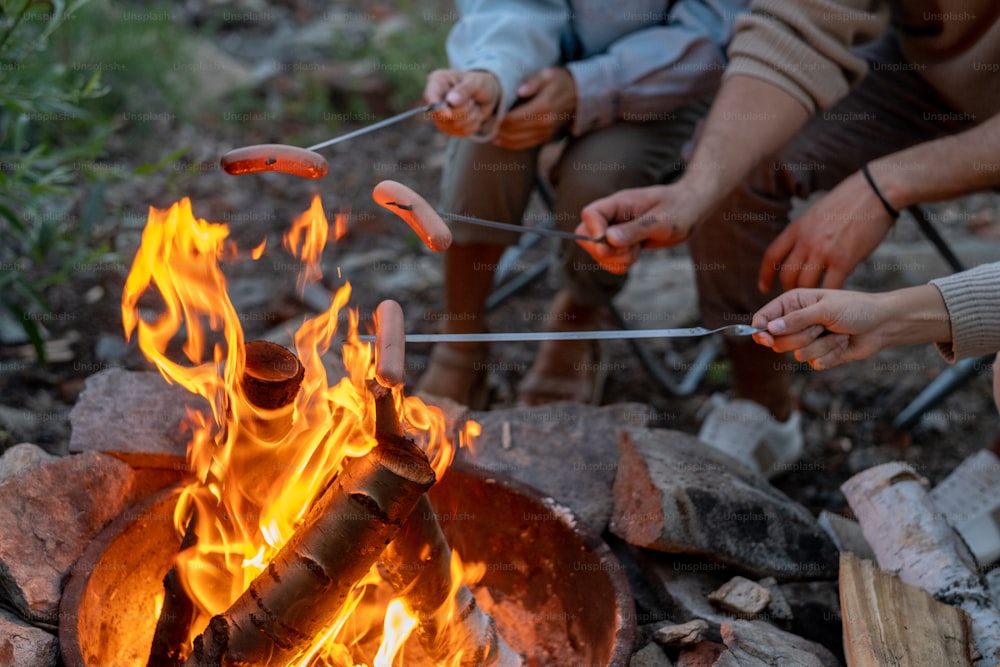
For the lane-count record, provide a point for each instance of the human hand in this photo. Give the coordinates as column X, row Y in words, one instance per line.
column 824, row 327
column 549, row 103
column 630, row 220
column 822, row 246
column 472, row 99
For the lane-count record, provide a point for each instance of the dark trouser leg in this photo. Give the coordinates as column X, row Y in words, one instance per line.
column 488, row 182
column 624, row 155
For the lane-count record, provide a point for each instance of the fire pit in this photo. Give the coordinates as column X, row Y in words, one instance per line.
column 309, row 529
column 557, row 593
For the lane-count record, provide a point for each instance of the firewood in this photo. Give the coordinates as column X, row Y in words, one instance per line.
column 309, row 579
column 889, row 622
column 909, row 536
column 418, row 565
column 176, row 615
column 271, row 379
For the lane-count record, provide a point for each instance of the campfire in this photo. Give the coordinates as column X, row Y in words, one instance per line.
column 307, row 535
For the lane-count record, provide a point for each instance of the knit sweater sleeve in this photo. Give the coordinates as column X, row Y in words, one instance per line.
column 804, row 47
column 972, row 299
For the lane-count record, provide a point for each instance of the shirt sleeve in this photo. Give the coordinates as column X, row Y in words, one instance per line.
column 804, row 47
column 512, row 39
column 972, row 299
column 653, row 71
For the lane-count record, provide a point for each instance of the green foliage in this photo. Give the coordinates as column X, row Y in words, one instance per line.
column 403, row 57
column 409, row 56
column 42, row 175
column 142, row 57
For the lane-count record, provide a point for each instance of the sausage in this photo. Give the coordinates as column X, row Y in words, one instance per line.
column 275, row 157
column 390, row 344
column 417, row 213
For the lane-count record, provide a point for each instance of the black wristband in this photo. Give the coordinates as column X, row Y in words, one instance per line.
column 878, row 193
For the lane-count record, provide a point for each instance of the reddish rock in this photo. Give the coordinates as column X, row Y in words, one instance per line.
column 23, row 645
column 48, row 514
column 674, row 494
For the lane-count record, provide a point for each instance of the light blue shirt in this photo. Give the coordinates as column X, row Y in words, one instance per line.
column 630, row 60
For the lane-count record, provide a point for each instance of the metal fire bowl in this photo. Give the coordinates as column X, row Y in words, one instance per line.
column 536, row 553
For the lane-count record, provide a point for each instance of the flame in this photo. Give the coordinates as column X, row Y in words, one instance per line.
column 256, row 471
column 399, row 623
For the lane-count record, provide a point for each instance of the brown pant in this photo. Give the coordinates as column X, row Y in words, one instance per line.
column 892, row 109
column 486, row 181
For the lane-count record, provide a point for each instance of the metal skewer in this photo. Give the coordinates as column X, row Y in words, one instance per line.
column 427, row 108
column 616, row 334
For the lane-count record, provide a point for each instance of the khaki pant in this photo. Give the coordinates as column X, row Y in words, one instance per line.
column 892, row 109
column 486, row 181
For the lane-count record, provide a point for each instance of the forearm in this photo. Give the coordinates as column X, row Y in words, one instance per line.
column 941, row 169
column 749, row 121
column 912, row 316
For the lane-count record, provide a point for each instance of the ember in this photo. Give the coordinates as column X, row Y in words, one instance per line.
column 267, row 467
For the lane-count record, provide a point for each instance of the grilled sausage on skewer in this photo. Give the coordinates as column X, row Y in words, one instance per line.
column 390, row 344
column 275, row 157
column 415, row 211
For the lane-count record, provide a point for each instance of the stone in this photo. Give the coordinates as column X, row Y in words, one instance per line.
column 681, row 634
column 672, row 493
column 682, row 585
column 23, row 645
column 815, row 607
column 565, row 450
column 135, row 415
column 650, row 655
column 702, row 654
column 22, row 424
column 110, row 349
column 778, row 608
column 48, row 515
column 20, row 458
column 759, row 644
column 741, row 596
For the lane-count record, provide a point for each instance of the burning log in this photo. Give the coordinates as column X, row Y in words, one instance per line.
column 310, row 578
column 418, row 561
column 909, row 536
column 271, row 379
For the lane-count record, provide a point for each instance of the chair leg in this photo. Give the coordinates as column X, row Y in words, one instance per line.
column 940, row 388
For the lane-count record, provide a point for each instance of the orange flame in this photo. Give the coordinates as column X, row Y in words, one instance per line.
column 254, row 484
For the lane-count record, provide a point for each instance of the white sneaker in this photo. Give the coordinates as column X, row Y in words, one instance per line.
column 746, row 431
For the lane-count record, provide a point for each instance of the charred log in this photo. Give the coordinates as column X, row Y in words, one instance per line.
column 418, row 565
column 271, row 379
column 310, row 578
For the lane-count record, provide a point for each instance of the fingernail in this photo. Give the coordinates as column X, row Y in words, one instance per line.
column 453, row 97
column 777, row 326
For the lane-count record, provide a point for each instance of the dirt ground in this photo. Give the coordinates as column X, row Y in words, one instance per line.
column 848, row 411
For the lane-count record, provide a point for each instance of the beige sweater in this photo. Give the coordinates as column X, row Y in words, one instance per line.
column 803, row 47
column 973, row 301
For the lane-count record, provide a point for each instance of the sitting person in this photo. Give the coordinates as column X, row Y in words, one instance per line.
column 911, row 116
column 624, row 84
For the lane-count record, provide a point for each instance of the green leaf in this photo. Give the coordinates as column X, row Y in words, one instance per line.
column 144, row 169
column 30, row 327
